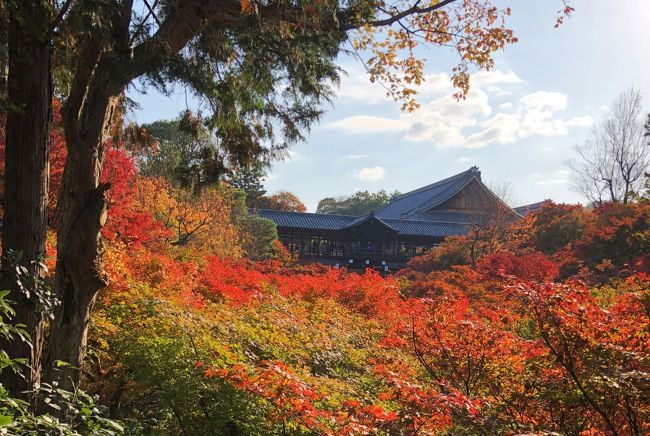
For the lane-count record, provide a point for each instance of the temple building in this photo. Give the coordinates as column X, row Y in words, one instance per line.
column 411, row 224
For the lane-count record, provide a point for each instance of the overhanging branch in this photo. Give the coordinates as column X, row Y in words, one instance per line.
column 415, row 9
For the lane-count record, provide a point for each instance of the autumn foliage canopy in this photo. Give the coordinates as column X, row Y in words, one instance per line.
column 546, row 330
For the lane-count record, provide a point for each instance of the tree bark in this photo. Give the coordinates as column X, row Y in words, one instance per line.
column 105, row 66
column 29, row 91
column 4, row 53
column 82, row 214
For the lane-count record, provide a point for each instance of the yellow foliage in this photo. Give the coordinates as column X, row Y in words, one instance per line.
column 200, row 224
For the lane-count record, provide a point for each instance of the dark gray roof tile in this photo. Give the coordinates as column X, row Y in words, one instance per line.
column 311, row 221
column 315, row 221
column 428, row 196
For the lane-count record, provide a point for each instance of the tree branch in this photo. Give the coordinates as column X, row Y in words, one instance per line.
column 415, row 9
column 174, row 33
column 59, row 18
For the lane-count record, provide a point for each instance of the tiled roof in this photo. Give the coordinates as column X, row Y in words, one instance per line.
column 311, row 221
column 419, row 200
column 409, row 214
column 528, row 208
column 426, row 228
column 315, row 221
column 444, row 216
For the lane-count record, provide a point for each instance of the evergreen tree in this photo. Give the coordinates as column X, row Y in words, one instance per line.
column 250, row 180
column 359, row 203
column 182, row 151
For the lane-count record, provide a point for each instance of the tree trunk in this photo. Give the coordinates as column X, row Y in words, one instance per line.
column 106, row 64
column 27, row 174
column 4, row 53
column 82, row 214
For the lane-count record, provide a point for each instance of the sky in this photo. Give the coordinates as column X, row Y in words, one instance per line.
column 518, row 124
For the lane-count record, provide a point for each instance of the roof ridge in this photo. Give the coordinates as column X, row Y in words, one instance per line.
column 531, row 204
column 409, row 220
column 423, row 207
column 364, row 218
column 309, row 213
column 472, row 170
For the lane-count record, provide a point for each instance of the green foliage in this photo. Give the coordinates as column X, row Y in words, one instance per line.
column 182, row 151
column 158, row 361
column 162, row 352
column 68, row 413
column 265, row 80
column 359, row 203
column 34, row 287
column 10, row 332
column 249, row 179
column 260, row 235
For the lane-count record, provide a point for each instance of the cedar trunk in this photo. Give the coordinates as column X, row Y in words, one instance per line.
column 4, row 53
column 26, row 175
column 106, row 64
column 82, row 214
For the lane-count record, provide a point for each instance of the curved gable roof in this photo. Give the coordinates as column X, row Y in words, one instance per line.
column 307, row 221
column 315, row 221
column 368, row 218
column 428, row 196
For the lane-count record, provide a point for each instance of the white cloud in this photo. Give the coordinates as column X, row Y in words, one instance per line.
column 370, row 174
column 585, row 121
column 472, row 123
column 497, row 91
column 500, row 129
column 544, row 101
column 367, row 124
column 356, row 156
column 443, row 119
column 434, row 84
column 292, row 156
column 543, row 123
column 494, row 82
column 549, row 182
column 495, row 77
column 559, row 177
column 463, row 159
column 356, row 85
column 534, row 115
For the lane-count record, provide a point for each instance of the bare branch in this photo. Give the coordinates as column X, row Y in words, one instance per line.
column 415, row 9
column 613, row 160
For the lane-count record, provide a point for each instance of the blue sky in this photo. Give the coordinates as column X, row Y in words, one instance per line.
column 518, row 124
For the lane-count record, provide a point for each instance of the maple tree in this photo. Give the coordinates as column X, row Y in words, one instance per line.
column 266, row 79
column 282, row 200
column 601, row 351
column 533, row 326
column 305, row 349
column 202, row 341
column 257, row 72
